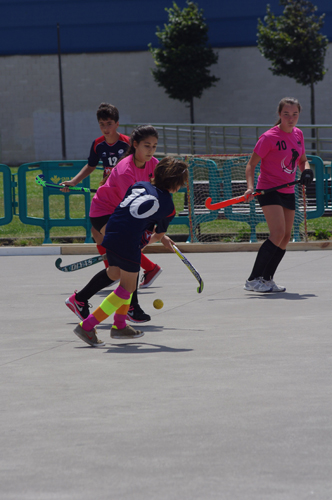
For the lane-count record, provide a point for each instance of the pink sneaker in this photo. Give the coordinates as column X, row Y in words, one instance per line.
column 149, row 276
column 81, row 309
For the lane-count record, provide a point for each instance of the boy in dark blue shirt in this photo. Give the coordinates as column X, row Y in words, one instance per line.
column 108, row 148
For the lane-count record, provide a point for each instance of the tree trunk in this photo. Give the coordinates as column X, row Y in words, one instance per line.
column 312, row 112
column 191, row 105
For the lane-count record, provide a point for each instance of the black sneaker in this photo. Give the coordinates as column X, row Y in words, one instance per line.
column 137, row 315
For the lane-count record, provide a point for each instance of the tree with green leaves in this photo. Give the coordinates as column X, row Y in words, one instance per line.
column 183, row 57
column 294, row 44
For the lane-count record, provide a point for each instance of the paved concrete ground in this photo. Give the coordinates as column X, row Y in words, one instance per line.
column 227, row 396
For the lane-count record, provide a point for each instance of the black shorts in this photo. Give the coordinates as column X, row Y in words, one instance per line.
column 285, row 200
column 99, row 222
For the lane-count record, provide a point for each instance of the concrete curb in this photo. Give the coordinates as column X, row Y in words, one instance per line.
column 90, row 248
column 42, row 250
column 73, row 249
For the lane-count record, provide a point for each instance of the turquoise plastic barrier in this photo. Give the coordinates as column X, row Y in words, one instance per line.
column 7, row 187
column 318, row 165
column 327, row 186
column 56, row 172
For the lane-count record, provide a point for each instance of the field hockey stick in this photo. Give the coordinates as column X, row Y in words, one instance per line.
column 191, row 269
column 79, row 265
column 304, row 196
column 41, row 182
column 240, row 199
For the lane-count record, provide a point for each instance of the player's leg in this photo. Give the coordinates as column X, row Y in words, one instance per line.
column 274, row 215
column 151, row 271
column 78, row 302
column 98, row 237
column 273, row 264
column 275, row 218
column 135, row 312
column 120, row 330
column 289, row 216
column 86, row 330
column 98, row 232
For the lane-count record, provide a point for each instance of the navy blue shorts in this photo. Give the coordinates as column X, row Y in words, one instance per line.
column 131, row 266
column 285, row 200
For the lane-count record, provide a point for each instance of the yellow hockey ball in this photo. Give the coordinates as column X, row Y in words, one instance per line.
column 158, row 304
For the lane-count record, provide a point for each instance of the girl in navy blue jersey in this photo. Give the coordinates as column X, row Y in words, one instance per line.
column 141, row 218
column 138, row 165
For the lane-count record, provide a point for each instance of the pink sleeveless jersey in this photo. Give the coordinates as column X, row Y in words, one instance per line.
column 280, row 153
column 123, row 175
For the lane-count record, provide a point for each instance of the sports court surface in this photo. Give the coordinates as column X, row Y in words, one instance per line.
column 227, row 396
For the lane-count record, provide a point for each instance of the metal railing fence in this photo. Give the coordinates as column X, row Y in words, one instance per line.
column 183, row 138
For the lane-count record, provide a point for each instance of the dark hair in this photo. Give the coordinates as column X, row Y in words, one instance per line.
column 139, row 134
column 107, row 112
column 287, row 100
column 170, row 174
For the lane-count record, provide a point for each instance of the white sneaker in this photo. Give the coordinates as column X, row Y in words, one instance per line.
column 275, row 287
column 258, row 285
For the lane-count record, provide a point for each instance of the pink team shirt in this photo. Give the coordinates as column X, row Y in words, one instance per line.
column 123, row 175
column 280, row 153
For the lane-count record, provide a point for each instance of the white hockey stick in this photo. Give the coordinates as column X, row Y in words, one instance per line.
column 191, row 269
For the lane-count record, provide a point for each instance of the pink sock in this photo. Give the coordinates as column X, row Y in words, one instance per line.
column 119, row 321
column 89, row 323
column 122, row 293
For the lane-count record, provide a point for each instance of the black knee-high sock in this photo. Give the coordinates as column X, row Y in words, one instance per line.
column 134, row 298
column 271, row 267
column 97, row 283
column 265, row 254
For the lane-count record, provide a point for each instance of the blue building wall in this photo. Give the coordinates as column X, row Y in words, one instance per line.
column 30, row 26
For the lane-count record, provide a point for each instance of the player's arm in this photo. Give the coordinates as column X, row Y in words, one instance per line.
column 303, row 163
column 156, row 237
column 307, row 175
column 164, row 239
column 85, row 172
column 250, row 175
